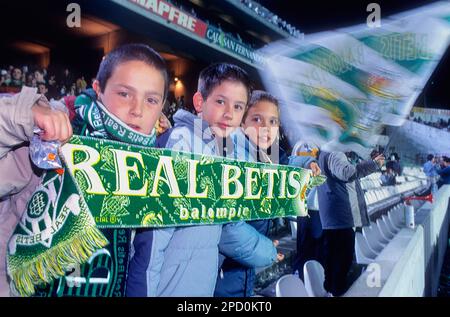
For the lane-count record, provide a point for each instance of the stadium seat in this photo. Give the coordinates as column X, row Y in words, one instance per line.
column 373, row 240
column 290, row 285
column 374, row 232
column 368, row 198
column 314, row 279
column 384, row 230
column 392, row 215
column 293, row 224
column 364, row 254
column 390, row 225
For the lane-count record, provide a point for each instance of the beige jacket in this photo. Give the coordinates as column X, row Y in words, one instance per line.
column 17, row 178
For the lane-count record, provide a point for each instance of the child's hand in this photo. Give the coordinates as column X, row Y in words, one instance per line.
column 379, row 160
column 280, row 257
column 54, row 123
column 163, row 124
column 315, row 169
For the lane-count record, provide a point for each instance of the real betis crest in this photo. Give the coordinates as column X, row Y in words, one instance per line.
column 56, row 232
column 42, row 220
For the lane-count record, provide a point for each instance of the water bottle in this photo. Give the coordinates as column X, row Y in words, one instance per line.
column 409, row 216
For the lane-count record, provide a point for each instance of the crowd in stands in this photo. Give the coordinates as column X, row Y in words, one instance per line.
column 271, row 17
column 436, row 167
column 443, row 124
column 56, row 87
column 53, row 85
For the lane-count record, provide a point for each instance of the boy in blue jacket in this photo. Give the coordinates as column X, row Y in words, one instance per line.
column 183, row 261
column 257, row 139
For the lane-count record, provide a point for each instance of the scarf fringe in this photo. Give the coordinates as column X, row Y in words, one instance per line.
column 53, row 263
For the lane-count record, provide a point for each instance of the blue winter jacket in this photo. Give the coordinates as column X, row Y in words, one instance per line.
column 236, row 279
column 445, row 175
column 183, row 261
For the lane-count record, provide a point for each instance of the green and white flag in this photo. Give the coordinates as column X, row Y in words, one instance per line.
column 110, row 184
column 340, row 87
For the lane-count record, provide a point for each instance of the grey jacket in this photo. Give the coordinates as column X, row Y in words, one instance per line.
column 18, row 180
column 341, row 199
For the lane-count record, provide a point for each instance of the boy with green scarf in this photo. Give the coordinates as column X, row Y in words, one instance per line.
column 126, row 101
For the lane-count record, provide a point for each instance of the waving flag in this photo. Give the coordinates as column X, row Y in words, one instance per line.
column 339, row 88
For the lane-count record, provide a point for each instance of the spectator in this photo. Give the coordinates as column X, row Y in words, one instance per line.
column 3, row 78
column 52, row 89
column 388, row 177
column 81, row 85
column 193, row 250
column 256, row 140
column 309, row 229
column 29, row 80
column 444, row 173
column 25, row 69
column 7, row 80
column 18, row 115
column 430, row 169
column 39, row 76
column 42, row 89
column 341, row 212
column 73, row 90
column 66, row 80
column 62, row 91
column 45, row 74
column 16, row 80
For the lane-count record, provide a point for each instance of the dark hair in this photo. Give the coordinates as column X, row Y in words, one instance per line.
column 213, row 75
column 257, row 96
column 430, row 157
column 131, row 52
column 446, row 159
column 374, row 154
column 390, row 164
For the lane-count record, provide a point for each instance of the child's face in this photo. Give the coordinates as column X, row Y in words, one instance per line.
column 224, row 107
column 262, row 124
column 134, row 93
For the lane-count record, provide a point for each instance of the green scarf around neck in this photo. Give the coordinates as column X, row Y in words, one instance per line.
column 57, row 230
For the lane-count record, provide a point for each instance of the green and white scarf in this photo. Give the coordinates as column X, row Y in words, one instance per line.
column 57, row 231
column 172, row 188
column 93, row 119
